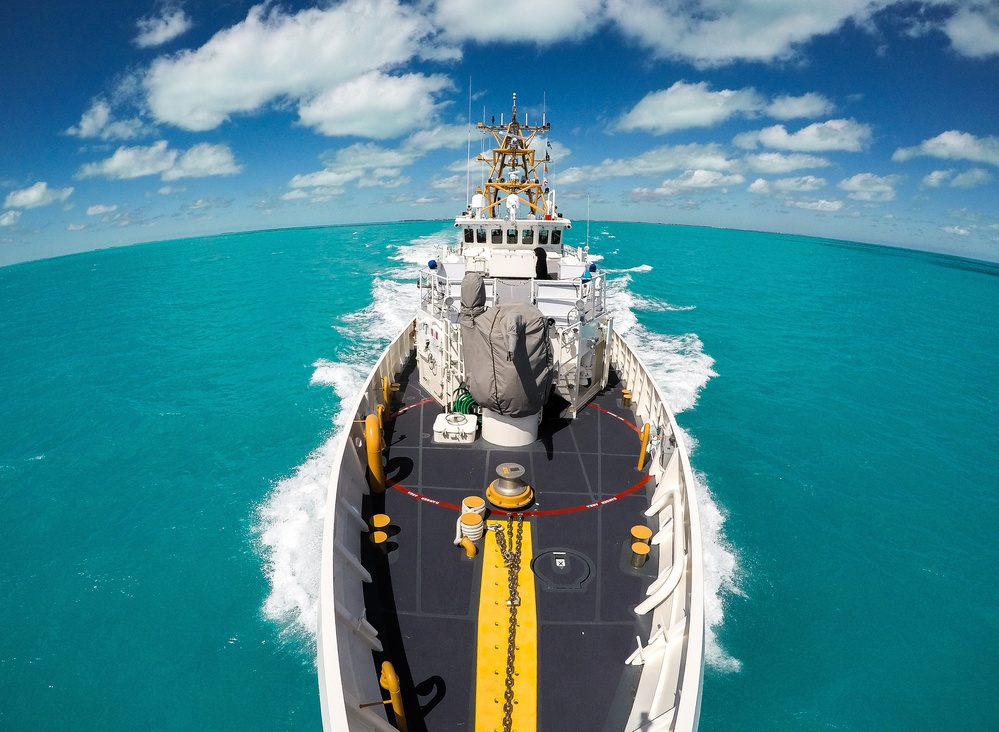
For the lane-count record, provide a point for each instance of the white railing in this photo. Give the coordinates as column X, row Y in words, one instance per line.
column 569, row 302
column 669, row 691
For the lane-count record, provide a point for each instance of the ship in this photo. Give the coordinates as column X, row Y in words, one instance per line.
column 511, row 537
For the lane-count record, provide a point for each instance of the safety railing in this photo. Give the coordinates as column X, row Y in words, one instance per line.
column 668, row 697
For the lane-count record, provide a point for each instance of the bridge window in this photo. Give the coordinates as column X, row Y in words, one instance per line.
column 511, row 236
column 468, row 235
column 543, row 237
column 557, row 237
column 497, row 236
column 480, row 236
column 527, row 239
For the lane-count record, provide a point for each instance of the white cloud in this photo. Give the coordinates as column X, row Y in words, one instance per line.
column 200, row 161
column 36, row 195
column 448, row 137
column 272, row 56
column 954, row 145
column 372, row 165
column 374, row 105
column 204, row 160
column 9, row 218
column 518, row 20
column 157, row 30
column 974, row 30
column 836, row 134
column 821, row 204
column 972, row 178
column 657, row 161
column 776, row 163
column 76, row 227
column 690, row 180
column 799, row 184
column 688, row 105
column 132, row 162
column 203, row 204
column 936, row 179
column 807, row 105
column 99, row 210
column 712, row 34
column 956, row 230
column 870, row 187
column 98, row 122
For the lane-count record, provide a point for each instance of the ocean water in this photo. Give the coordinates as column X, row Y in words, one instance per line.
column 167, row 415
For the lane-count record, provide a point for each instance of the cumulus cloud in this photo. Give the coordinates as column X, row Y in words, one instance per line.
column 204, row 160
column 272, row 56
column 688, row 105
column 200, row 161
column 713, row 34
column 374, row 105
column 870, row 187
column 776, row 163
column 36, row 195
column 98, row 122
column 162, row 28
column 836, row 134
column 807, row 105
column 954, row 145
column 974, row 30
column 799, row 184
column 690, row 180
column 100, row 210
column 9, row 218
column 821, row 204
column 972, row 178
column 936, row 179
column 653, row 162
column 369, row 164
column 518, row 20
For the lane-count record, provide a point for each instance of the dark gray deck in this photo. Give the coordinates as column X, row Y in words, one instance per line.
column 424, row 597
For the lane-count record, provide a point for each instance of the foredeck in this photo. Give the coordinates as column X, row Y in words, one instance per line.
column 424, row 597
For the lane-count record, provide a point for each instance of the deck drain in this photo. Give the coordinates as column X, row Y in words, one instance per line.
column 562, row 569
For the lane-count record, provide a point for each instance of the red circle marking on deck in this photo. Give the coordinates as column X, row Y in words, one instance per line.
column 551, row 512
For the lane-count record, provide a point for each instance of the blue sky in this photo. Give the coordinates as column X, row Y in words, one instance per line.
column 134, row 120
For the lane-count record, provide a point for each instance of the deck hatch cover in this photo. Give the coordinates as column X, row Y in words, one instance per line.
column 562, row 569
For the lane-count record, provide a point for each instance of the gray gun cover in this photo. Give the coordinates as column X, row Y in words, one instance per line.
column 508, row 357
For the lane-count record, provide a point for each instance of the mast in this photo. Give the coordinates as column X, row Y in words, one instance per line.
column 514, row 166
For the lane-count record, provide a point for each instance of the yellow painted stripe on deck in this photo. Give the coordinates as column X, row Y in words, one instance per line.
column 493, row 636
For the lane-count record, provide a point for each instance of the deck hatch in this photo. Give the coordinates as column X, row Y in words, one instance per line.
column 562, row 570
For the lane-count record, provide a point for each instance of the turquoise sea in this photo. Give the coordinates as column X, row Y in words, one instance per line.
column 167, row 413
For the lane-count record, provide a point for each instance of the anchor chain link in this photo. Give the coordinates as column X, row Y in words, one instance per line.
column 511, row 558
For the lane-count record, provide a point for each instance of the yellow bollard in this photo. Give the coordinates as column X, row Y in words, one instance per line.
column 639, row 554
column 388, row 389
column 389, row 681
column 380, row 540
column 641, row 533
column 645, row 445
column 626, row 397
column 373, row 440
